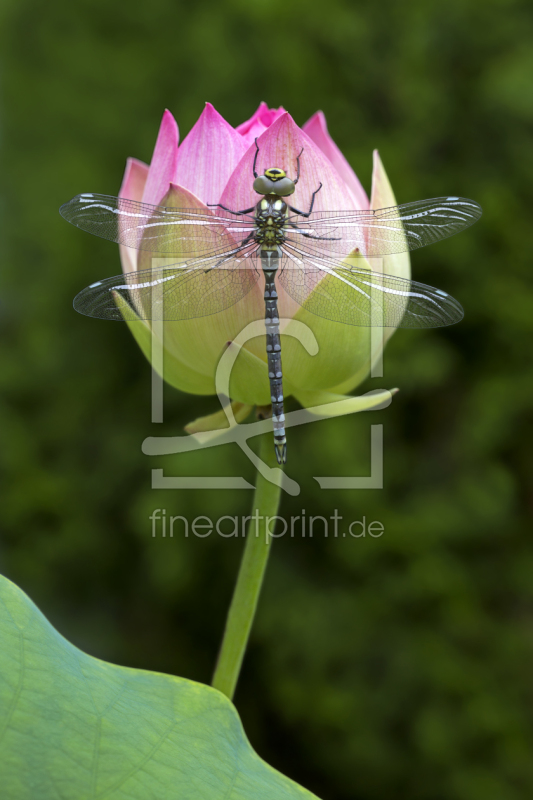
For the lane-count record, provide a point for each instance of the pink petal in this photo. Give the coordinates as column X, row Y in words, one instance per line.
column 270, row 115
column 208, row 156
column 245, row 127
column 132, row 188
column 163, row 165
column 259, row 122
column 316, row 128
column 279, row 146
column 134, row 179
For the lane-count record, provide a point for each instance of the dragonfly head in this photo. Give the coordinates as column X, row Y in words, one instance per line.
column 274, row 181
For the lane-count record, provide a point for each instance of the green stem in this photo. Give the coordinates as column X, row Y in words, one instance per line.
column 246, row 594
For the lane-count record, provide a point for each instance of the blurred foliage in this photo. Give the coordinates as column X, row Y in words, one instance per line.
column 396, row 667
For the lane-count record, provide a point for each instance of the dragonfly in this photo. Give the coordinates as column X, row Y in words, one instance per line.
column 319, row 258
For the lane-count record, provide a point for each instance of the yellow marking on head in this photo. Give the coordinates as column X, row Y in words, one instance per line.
column 275, row 174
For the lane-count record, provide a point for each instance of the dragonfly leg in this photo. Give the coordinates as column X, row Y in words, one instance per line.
column 310, row 235
column 298, row 167
column 231, row 211
column 307, row 213
column 255, row 159
column 227, row 256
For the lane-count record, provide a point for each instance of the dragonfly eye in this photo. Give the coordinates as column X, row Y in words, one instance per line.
column 282, row 186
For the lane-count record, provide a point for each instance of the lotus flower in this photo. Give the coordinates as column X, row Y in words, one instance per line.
column 212, row 165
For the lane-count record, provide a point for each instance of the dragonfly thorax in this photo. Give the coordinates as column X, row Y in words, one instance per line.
column 270, row 221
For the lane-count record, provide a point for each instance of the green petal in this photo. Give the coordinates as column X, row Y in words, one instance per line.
column 382, row 196
column 344, row 351
column 398, row 264
column 76, row 727
column 337, row 405
column 175, row 373
column 197, row 345
column 249, row 379
column 219, row 420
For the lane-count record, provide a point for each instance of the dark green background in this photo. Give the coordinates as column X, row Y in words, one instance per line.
column 389, row 668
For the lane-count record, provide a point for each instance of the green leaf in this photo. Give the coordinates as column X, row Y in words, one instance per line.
column 72, row 726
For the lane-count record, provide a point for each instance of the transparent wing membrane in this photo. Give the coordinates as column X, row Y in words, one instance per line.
column 172, row 231
column 324, row 287
column 386, row 230
column 365, row 298
column 168, row 293
column 161, row 230
column 217, row 260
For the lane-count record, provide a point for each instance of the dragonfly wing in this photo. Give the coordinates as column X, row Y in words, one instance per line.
column 385, row 231
column 359, row 296
column 176, row 292
column 167, row 231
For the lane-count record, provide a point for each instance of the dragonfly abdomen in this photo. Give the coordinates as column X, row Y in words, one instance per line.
column 269, row 263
